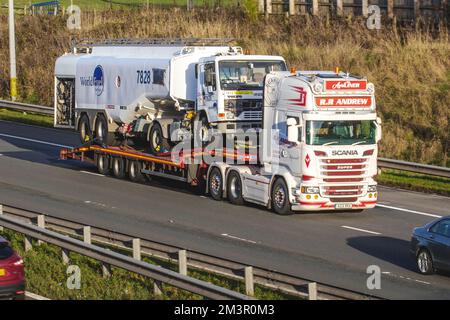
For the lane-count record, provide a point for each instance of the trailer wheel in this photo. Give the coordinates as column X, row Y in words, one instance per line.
column 234, row 188
column 156, row 139
column 134, row 171
column 118, row 167
column 101, row 130
column 280, row 198
column 103, row 164
column 215, row 184
column 84, row 129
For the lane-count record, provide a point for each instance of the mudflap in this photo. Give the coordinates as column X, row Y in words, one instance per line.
column 195, row 178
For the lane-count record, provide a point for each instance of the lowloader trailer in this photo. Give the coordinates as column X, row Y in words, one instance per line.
column 316, row 149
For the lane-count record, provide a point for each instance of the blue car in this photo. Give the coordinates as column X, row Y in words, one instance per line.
column 430, row 245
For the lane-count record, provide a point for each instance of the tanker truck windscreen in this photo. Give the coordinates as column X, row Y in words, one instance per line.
column 340, row 132
column 239, row 75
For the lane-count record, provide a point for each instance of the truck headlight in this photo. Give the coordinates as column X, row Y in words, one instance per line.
column 310, row 190
column 230, row 106
column 372, row 188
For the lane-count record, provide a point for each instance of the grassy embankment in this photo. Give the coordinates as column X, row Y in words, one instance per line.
column 46, row 275
column 414, row 181
column 26, row 117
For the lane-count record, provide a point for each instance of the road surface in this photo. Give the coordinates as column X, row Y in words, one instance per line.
column 333, row 248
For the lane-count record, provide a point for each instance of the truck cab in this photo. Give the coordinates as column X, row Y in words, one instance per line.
column 230, row 89
column 318, row 148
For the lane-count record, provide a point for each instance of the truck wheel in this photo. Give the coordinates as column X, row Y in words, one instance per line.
column 101, row 130
column 215, row 184
column 156, row 139
column 234, row 188
column 103, row 164
column 118, row 167
column 134, row 172
column 84, row 129
column 280, row 198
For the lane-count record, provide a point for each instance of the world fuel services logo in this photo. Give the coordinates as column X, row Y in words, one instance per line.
column 98, row 80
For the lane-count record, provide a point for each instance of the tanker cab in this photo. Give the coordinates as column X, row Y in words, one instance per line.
column 230, row 89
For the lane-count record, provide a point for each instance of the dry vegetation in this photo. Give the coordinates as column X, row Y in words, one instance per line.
column 410, row 69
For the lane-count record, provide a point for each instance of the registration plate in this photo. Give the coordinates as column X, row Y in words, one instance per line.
column 343, row 206
column 2, row 272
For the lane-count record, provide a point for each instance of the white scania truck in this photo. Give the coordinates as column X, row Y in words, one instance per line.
column 318, row 147
column 152, row 91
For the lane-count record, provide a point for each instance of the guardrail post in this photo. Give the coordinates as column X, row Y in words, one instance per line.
column 65, row 256
column 249, row 283
column 291, row 7
column 41, row 224
column 137, row 249
column 87, row 234
column 1, row 212
column 106, row 270
column 268, row 7
column 365, row 8
column 27, row 243
column 339, row 7
column 157, row 288
column 315, row 7
column 390, row 8
column 261, row 6
column 312, row 291
column 182, row 262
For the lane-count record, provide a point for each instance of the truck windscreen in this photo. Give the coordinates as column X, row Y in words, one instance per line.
column 241, row 75
column 340, row 132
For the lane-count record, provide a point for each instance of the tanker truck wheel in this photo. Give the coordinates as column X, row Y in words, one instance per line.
column 84, row 129
column 118, row 167
column 134, row 171
column 156, row 139
column 101, row 130
column 102, row 162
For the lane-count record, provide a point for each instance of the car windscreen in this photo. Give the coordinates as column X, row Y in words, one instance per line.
column 5, row 250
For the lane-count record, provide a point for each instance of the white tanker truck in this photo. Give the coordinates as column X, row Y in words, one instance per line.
column 152, row 91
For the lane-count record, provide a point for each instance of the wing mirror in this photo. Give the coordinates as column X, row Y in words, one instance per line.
column 379, row 132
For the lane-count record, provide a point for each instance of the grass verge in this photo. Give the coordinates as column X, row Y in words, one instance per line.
column 25, row 117
column 414, row 181
column 47, row 276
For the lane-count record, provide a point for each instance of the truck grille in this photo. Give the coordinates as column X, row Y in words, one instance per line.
column 342, row 176
column 343, row 168
column 252, row 115
column 342, row 190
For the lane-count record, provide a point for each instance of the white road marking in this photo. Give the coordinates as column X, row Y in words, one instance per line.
column 362, row 230
column 405, row 278
column 35, row 141
column 35, row 296
column 408, row 210
column 237, row 238
column 93, row 173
